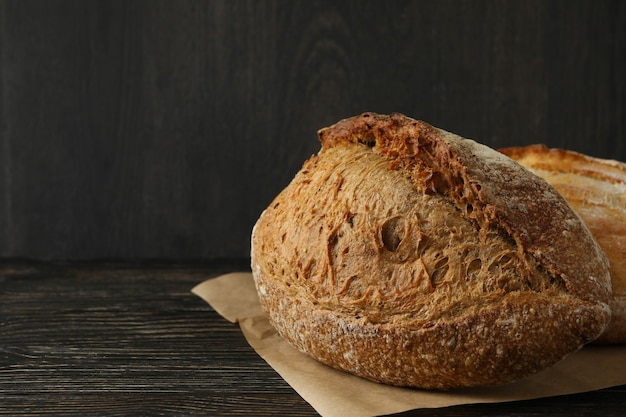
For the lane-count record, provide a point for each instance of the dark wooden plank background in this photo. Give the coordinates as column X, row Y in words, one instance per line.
column 161, row 129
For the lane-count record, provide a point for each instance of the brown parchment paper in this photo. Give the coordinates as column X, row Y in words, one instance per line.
column 335, row 393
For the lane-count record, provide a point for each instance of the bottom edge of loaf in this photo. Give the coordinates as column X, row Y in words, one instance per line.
column 498, row 346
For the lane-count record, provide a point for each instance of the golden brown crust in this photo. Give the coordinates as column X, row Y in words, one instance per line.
column 411, row 256
column 596, row 189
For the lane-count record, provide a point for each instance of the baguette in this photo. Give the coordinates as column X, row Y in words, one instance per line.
column 410, row 256
column 596, row 189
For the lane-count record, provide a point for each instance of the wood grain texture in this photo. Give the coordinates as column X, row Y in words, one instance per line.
column 161, row 129
column 87, row 339
column 129, row 340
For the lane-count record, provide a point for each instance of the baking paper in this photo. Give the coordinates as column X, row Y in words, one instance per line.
column 336, row 393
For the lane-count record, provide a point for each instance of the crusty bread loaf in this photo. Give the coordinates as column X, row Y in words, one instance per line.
column 596, row 189
column 410, row 256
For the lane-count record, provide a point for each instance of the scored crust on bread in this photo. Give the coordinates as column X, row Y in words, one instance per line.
column 410, row 256
column 596, row 190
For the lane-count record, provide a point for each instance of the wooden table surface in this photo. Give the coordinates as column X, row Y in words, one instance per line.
column 130, row 339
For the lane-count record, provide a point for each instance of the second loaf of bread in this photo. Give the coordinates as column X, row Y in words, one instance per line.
column 410, row 256
column 596, row 189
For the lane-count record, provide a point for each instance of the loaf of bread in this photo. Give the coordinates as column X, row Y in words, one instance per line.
column 596, row 189
column 413, row 257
